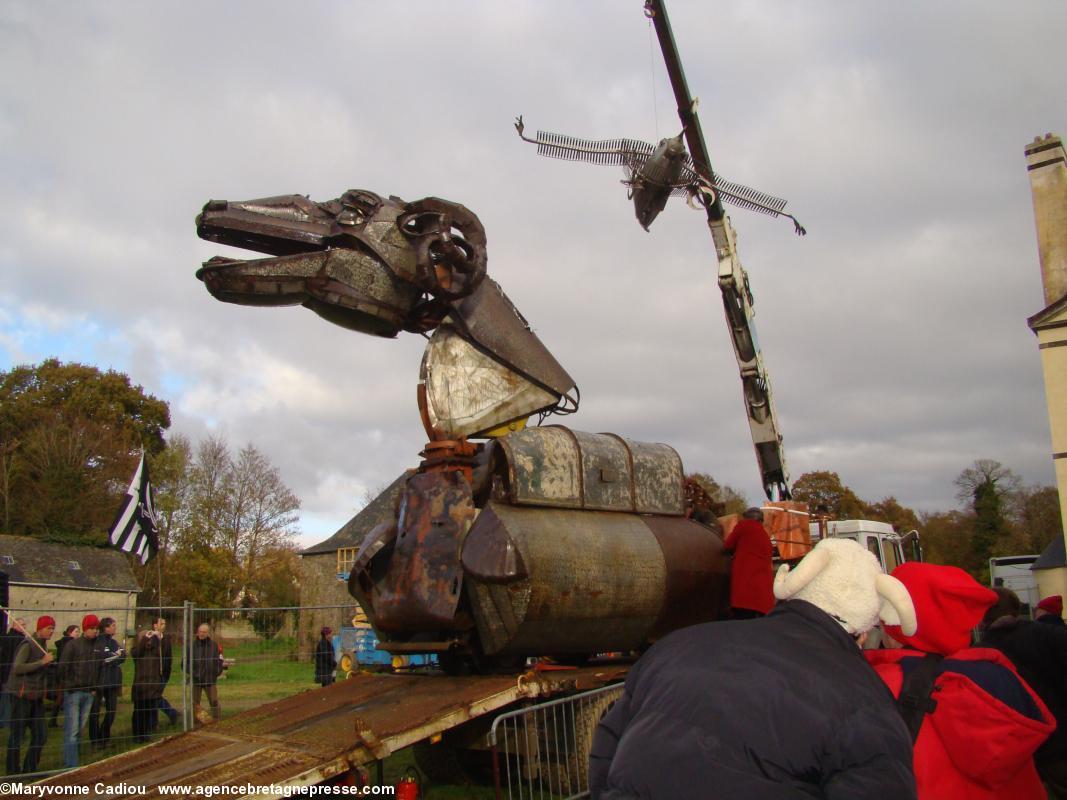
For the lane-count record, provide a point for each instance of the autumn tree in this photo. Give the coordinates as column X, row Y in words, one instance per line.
column 824, row 492
column 729, row 499
column 70, row 435
column 888, row 509
column 1035, row 510
column 985, row 487
column 230, row 521
column 946, row 539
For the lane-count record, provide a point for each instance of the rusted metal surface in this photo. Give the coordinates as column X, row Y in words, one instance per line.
column 315, row 735
column 379, row 266
column 559, row 468
column 421, row 589
column 484, row 367
column 697, row 574
column 596, row 582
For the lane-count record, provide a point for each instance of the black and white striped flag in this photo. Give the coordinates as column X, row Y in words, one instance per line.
column 134, row 530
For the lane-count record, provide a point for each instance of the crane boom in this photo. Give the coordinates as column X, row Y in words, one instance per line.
column 733, row 280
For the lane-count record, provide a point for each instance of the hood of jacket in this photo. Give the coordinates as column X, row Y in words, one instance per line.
column 987, row 720
column 949, row 603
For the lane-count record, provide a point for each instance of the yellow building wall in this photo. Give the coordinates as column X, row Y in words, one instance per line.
column 68, row 606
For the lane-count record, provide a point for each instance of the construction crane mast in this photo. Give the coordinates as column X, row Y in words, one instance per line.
column 733, row 280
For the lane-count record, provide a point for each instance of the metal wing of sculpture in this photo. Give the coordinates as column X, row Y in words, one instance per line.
column 379, row 266
column 654, row 173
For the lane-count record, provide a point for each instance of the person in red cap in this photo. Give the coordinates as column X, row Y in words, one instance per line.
column 980, row 722
column 1050, row 610
column 79, row 674
column 26, row 684
column 325, row 661
column 1039, row 653
column 751, row 571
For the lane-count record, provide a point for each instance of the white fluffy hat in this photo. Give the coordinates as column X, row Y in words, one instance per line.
column 846, row 581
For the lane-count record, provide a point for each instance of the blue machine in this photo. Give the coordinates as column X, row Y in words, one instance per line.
column 360, row 645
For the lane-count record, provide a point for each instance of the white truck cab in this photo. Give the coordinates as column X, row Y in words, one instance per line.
column 889, row 547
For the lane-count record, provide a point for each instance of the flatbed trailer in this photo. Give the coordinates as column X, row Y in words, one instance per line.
column 322, row 734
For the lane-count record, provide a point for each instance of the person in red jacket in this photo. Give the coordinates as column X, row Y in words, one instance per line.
column 978, row 739
column 751, row 573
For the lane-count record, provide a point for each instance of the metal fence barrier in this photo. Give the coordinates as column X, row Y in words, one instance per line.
column 542, row 751
column 267, row 654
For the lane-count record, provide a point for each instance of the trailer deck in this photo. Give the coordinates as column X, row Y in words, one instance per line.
column 320, row 734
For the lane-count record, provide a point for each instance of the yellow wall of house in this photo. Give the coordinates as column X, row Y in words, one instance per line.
column 68, row 606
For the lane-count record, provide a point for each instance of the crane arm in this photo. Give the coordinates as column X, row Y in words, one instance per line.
column 733, row 281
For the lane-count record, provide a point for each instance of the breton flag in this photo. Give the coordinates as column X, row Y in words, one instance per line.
column 134, row 530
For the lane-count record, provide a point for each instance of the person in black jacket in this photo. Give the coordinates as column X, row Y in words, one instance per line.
column 110, row 655
column 79, row 675
column 70, row 632
column 207, row 666
column 26, row 683
column 783, row 706
column 9, row 642
column 325, row 662
column 1039, row 653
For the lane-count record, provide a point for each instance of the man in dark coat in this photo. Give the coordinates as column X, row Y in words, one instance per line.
column 783, row 706
column 69, row 633
column 325, row 662
column 27, row 686
column 110, row 655
column 207, row 666
column 9, row 642
column 1039, row 653
column 79, row 675
column 151, row 669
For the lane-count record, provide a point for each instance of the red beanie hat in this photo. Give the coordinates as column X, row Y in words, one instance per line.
column 90, row 621
column 949, row 603
column 1053, row 604
column 45, row 622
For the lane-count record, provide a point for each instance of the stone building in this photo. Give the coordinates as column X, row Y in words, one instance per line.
column 67, row 582
column 1047, row 167
column 324, row 568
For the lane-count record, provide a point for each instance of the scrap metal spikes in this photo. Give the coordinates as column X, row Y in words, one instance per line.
column 633, row 154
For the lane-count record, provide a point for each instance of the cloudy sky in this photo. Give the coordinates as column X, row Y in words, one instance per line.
column 894, row 332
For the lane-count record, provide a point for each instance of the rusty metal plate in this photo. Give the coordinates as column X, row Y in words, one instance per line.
column 544, row 467
column 421, row 588
column 697, row 587
column 489, row 554
column 491, row 320
column 607, row 474
column 468, row 393
column 556, row 467
column 596, row 581
column 659, row 478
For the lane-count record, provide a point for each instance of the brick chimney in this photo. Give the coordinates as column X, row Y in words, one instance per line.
column 1046, row 162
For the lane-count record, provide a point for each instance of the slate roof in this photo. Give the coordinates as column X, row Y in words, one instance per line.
column 1054, row 556
column 381, row 509
column 29, row 561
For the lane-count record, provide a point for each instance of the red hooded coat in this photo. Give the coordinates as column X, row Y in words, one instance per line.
column 979, row 742
column 751, row 576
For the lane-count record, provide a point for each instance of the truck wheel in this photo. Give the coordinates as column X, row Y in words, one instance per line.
column 568, row 769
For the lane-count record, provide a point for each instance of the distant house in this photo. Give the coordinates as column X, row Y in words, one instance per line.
column 325, row 567
column 67, row 582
